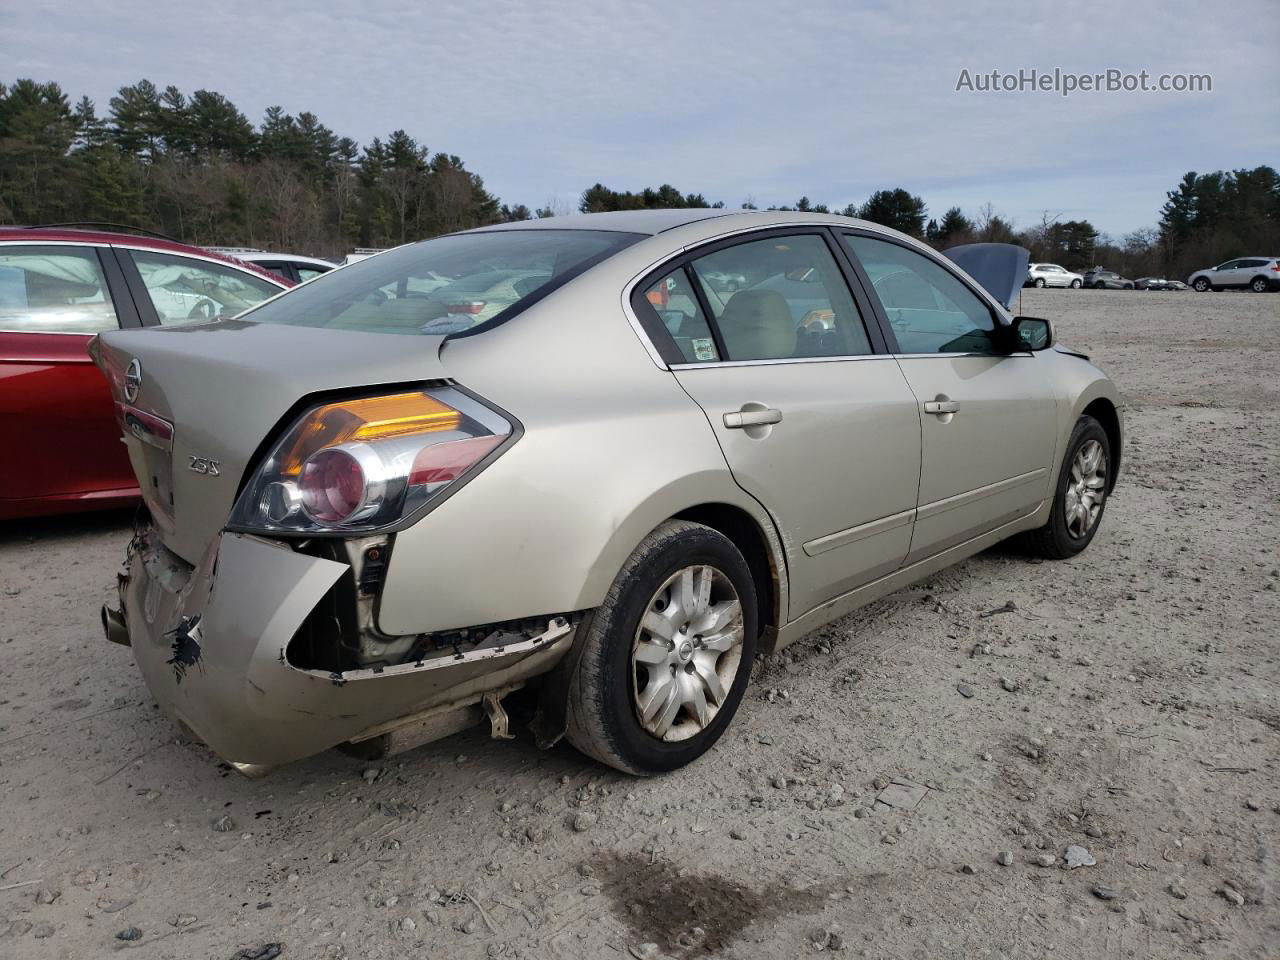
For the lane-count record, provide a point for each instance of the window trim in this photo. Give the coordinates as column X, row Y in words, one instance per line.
column 122, row 304
column 891, row 337
column 659, row 338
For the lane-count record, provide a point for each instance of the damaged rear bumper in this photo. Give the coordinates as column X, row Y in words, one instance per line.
column 211, row 642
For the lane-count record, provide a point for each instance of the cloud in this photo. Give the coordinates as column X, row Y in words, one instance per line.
column 755, row 98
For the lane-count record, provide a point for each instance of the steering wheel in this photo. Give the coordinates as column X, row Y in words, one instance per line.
column 205, row 309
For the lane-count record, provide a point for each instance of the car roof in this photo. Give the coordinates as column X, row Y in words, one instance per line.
column 625, row 221
column 134, row 241
column 258, row 256
column 713, row 222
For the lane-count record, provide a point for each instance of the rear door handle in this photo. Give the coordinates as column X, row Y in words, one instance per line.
column 751, row 418
column 941, row 406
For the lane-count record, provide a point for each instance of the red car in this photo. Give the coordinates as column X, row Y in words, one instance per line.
column 58, row 288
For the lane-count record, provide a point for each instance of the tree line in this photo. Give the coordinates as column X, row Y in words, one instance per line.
column 197, row 169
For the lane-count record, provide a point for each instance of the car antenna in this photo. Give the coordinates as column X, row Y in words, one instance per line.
column 124, row 227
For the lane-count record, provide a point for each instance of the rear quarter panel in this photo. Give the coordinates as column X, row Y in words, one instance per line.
column 612, row 447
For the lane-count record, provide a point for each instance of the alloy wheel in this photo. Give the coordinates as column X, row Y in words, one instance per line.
column 686, row 652
column 1086, row 489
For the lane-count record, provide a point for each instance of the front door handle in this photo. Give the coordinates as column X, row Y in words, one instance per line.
column 752, row 418
column 941, row 406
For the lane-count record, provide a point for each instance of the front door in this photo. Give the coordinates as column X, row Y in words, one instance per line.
column 988, row 419
column 815, row 420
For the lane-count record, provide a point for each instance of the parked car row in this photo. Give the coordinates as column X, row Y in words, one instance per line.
column 1259, row 274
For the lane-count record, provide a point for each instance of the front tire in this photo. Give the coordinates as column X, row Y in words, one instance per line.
column 1075, row 284
column 1201, row 285
column 1080, row 495
column 666, row 658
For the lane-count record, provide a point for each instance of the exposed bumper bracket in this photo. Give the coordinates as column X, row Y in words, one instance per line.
column 499, row 723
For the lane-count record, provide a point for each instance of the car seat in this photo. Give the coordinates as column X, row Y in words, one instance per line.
column 757, row 325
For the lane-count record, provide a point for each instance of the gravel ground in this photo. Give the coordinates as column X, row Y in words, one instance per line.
column 1124, row 702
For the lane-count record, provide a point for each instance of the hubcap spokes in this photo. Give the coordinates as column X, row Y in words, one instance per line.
column 686, row 652
column 1086, row 489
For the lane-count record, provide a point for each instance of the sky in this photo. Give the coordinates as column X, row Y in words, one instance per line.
column 759, row 101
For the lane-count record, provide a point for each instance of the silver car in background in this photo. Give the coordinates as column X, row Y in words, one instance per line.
column 374, row 508
column 1259, row 274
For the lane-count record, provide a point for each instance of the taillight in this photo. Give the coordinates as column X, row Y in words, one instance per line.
column 332, row 486
column 369, row 463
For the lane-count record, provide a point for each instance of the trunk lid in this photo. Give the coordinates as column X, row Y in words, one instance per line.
column 224, row 387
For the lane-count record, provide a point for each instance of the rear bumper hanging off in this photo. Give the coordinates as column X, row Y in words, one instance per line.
column 211, row 642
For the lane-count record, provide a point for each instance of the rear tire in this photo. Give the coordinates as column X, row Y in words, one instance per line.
column 1259, row 285
column 1040, row 282
column 604, row 709
column 1067, row 533
column 1100, row 285
column 1128, row 286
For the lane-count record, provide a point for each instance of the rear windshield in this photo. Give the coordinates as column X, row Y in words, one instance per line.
column 450, row 285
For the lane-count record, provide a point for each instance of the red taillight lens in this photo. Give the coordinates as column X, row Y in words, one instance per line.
column 467, row 306
column 445, row 462
column 331, row 486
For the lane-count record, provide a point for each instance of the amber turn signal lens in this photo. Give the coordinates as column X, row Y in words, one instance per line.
column 368, row 418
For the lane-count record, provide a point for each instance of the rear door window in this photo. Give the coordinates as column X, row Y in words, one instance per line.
column 779, row 298
column 673, row 299
column 186, row 290
column 54, row 289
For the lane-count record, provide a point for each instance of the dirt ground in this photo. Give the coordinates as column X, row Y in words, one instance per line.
column 1139, row 720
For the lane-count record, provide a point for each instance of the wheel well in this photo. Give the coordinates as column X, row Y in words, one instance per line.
column 740, row 527
column 1105, row 413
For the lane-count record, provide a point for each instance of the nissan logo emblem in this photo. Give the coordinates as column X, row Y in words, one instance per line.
column 132, row 380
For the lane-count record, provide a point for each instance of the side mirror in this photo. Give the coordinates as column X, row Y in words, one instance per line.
column 1031, row 333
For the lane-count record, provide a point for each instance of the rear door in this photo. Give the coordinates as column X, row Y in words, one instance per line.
column 56, row 419
column 815, row 420
column 988, row 419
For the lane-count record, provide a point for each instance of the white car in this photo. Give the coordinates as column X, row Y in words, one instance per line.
column 1052, row 275
column 291, row 266
column 1258, row 274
